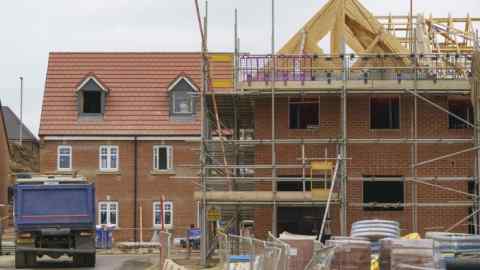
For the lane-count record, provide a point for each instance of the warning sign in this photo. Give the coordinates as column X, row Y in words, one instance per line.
column 214, row 214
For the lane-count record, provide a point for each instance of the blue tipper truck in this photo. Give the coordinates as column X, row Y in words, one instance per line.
column 54, row 216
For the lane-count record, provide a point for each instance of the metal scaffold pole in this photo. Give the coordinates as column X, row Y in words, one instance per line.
column 343, row 146
column 476, row 109
column 274, row 153
column 415, row 136
column 204, row 138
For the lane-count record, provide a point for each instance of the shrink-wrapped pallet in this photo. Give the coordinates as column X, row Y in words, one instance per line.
column 300, row 249
column 396, row 254
column 350, row 254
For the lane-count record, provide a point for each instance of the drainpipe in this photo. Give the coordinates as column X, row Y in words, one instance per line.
column 135, row 187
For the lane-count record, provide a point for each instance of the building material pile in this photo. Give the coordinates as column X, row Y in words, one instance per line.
column 350, row 254
column 396, row 254
column 301, row 249
column 376, row 229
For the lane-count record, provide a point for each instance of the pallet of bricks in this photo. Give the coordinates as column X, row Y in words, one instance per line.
column 350, row 254
column 402, row 254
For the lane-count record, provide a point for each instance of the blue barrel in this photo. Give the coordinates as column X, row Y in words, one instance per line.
column 108, row 237
column 99, row 237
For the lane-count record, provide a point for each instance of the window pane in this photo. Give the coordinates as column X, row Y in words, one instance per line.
column 157, row 218
column 64, row 162
column 113, row 162
column 168, row 217
column 103, row 214
column 92, row 102
column 104, row 162
column 113, row 214
column 182, row 102
column 162, row 158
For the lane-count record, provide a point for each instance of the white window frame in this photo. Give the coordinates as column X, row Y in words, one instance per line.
column 109, row 158
column 169, row 157
column 108, row 204
column 62, row 147
column 169, row 225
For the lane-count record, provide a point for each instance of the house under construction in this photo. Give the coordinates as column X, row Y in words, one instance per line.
column 384, row 125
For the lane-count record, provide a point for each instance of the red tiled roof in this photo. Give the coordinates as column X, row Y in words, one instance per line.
column 137, row 102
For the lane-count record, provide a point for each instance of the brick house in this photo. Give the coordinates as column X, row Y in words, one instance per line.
column 4, row 164
column 128, row 122
column 377, row 172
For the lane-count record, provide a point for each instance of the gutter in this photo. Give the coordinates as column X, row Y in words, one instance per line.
column 135, row 188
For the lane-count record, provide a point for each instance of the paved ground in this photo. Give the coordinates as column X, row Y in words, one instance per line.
column 104, row 262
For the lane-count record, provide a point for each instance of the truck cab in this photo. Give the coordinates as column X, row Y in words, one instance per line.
column 54, row 216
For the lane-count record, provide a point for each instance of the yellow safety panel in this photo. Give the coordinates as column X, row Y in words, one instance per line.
column 222, row 83
column 319, row 194
column 221, row 58
column 321, row 165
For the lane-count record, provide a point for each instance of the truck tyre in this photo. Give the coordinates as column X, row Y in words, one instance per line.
column 90, row 259
column 84, row 260
column 20, row 260
column 78, row 260
column 31, row 259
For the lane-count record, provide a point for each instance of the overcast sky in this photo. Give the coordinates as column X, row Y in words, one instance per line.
column 30, row 29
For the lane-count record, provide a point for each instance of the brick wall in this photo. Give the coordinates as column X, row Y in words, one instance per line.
column 119, row 186
column 375, row 159
column 4, row 166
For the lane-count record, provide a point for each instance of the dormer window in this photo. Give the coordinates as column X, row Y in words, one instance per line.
column 91, row 97
column 182, row 101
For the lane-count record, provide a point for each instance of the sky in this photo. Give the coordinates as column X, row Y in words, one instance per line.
column 30, row 29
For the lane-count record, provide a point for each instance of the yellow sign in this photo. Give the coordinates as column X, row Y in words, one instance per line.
column 214, row 214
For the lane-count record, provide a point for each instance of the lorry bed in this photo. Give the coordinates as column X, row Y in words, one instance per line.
column 58, row 206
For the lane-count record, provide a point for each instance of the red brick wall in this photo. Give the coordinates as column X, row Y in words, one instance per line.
column 375, row 159
column 4, row 166
column 120, row 186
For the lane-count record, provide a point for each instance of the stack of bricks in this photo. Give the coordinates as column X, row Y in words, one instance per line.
column 399, row 254
column 350, row 254
column 301, row 252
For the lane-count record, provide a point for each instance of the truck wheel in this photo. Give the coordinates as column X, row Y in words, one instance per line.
column 20, row 260
column 84, row 260
column 78, row 260
column 90, row 259
column 31, row 259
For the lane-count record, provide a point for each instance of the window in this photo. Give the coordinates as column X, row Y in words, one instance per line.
column 383, row 190
column 91, row 97
column 182, row 101
column 463, row 109
column 92, row 102
column 108, row 158
column 167, row 214
column 303, row 113
column 108, row 214
column 64, row 158
column 385, row 113
column 162, row 157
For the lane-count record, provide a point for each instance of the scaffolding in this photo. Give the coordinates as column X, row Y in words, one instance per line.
column 233, row 179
